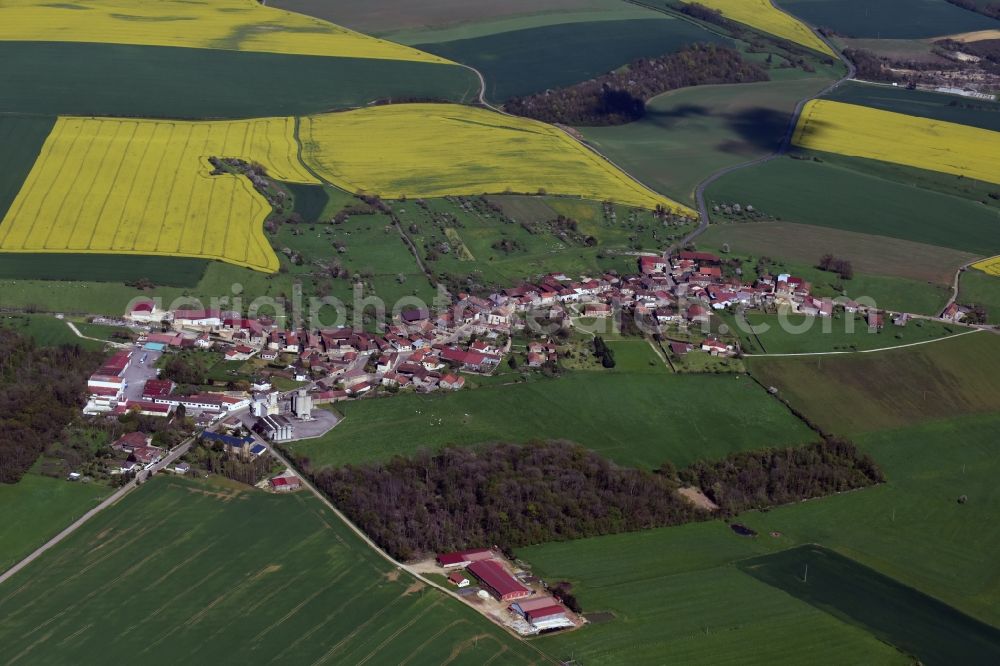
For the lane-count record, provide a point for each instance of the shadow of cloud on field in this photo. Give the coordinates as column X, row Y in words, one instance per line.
column 668, row 119
column 758, row 128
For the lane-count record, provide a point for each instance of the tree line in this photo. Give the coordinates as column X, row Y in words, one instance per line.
column 620, row 97
column 832, row 264
column 41, row 390
column 510, row 496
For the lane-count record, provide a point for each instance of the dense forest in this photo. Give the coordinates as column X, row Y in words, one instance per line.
column 620, row 97
column 41, row 389
column 511, row 496
column 758, row 479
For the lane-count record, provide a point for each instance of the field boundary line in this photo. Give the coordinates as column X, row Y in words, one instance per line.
column 867, row 351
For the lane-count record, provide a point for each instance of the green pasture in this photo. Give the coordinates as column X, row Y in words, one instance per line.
column 979, row 288
column 657, row 417
column 46, row 330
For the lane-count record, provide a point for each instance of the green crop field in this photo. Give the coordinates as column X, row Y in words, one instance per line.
column 868, row 254
column 978, row 288
column 664, row 586
column 914, row 622
column 836, row 193
column 658, row 417
column 690, row 133
column 521, row 62
column 160, row 271
column 36, row 508
column 842, row 332
column 185, row 570
column 889, row 19
column 676, row 598
column 168, row 82
column 862, row 392
column 913, row 528
column 21, row 140
column 949, row 108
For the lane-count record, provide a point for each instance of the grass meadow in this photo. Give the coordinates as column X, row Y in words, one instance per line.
column 883, row 200
column 171, row 82
column 185, row 570
column 46, row 330
column 979, row 288
column 854, row 393
column 36, row 508
column 657, row 417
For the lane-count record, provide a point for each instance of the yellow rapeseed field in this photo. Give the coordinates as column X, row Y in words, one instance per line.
column 104, row 185
column 236, row 25
column 428, row 150
column 764, row 16
column 990, row 266
column 861, row 131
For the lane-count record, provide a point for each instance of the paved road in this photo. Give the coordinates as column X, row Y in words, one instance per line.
column 868, row 351
column 173, row 455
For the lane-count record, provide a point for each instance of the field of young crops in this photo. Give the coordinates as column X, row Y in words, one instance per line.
column 236, row 25
column 765, row 16
column 427, row 150
column 143, row 187
column 874, row 134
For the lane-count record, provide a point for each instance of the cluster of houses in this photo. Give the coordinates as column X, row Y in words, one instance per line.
column 529, row 611
column 139, row 451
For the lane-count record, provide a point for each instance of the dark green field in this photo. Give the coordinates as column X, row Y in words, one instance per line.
column 872, row 391
column 914, row 622
column 949, row 108
column 161, row 271
column 21, row 139
column 978, row 288
column 191, row 571
column 59, row 78
column 870, row 197
column 657, row 417
column 888, row 19
column 522, row 62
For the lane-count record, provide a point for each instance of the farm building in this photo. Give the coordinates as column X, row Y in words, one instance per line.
column 464, row 558
column 284, row 484
column 495, row 580
column 548, row 617
column 458, row 579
